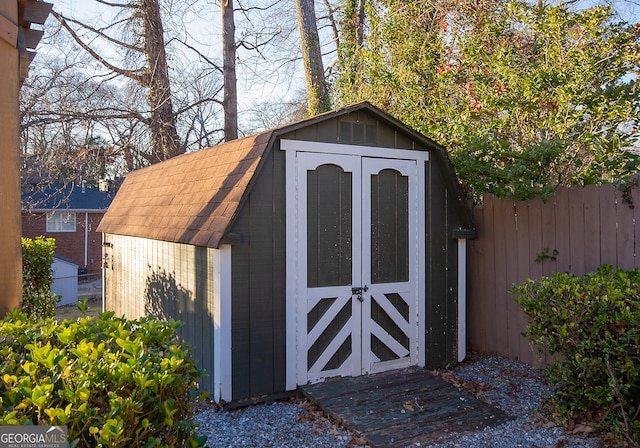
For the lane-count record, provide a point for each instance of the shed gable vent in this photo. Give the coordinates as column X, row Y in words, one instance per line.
column 358, row 132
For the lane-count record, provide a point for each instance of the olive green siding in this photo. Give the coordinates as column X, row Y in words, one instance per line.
column 329, row 227
column 442, row 267
column 389, row 227
column 258, row 258
column 258, row 286
column 356, row 128
column 145, row 276
column 169, row 280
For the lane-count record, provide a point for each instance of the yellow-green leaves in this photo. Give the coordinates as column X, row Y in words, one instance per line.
column 37, row 276
column 525, row 98
column 112, row 381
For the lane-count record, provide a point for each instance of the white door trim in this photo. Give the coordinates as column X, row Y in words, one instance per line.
column 296, row 368
column 306, row 161
column 291, row 274
column 462, row 299
column 421, row 264
column 354, row 150
column 406, row 168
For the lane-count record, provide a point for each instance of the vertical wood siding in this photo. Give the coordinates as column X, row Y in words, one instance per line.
column 258, row 287
column 169, row 280
column 182, row 273
column 441, row 293
column 587, row 227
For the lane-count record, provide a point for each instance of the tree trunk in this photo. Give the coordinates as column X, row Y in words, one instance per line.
column 10, row 221
column 357, row 21
column 350, row 42
column 317, row 91
column 164, row 136
column 230, row 102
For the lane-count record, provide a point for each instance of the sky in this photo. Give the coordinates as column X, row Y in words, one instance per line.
column 200, row 19
column 199, row 23
column 200, row 26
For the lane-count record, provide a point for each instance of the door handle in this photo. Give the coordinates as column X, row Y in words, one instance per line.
column 358, row 290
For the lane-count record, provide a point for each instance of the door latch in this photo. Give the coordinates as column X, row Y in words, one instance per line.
column 358, row 290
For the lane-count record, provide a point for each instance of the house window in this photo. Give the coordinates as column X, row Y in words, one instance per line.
column 61, row 222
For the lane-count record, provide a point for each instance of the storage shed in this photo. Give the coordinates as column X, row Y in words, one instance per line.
column 65, row 280
column 334, row 246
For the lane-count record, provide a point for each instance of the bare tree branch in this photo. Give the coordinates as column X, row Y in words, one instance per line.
column 118, row 5
column 132, row 74
column 104, row 35
column 199, row 102
column 198, row 52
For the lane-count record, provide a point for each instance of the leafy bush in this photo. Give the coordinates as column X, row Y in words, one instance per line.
column 594, row 322
column 37, row 277
column 111, row 381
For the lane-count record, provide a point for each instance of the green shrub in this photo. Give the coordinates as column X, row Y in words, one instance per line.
column 37, row 277
column 594, row 322
column 113, row 382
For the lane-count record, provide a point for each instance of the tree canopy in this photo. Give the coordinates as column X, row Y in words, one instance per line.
column 526, row 97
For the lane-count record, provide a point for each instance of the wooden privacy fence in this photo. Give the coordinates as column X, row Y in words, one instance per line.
column 576, row 230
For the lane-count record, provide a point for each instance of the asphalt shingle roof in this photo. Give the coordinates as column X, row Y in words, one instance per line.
column 59, row 196
column 188, row 199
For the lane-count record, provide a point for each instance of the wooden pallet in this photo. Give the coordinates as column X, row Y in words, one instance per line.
column 402, row 407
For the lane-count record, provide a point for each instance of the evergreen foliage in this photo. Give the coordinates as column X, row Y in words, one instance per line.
column 525, row 97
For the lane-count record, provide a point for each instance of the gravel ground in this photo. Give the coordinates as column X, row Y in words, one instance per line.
column 516, row 388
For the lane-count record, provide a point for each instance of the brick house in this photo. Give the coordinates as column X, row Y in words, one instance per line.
column 70, row 213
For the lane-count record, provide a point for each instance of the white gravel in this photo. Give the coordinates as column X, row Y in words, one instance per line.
column 518, row 389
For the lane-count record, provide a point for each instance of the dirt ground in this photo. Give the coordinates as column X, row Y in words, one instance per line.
column 72, row 312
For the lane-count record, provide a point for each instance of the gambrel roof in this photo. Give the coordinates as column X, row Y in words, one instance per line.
column 188, row 199
column 193, row 198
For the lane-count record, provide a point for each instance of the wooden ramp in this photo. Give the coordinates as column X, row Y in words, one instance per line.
column 402, row 407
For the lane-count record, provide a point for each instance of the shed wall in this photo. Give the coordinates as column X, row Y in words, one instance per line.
column 442, row 217
column 355, row 128
column 148, row 277
column 441, row 295
column 442, row 269
column 259, row 265
column 258, row 286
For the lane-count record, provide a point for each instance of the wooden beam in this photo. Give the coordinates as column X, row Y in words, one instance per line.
column 36, row 12
column 32, row 37
column 8, row 31
column 23, row 56
column 10, row 220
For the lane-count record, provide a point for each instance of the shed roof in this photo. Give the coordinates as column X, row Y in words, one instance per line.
column 193, row 198
column 190, row 198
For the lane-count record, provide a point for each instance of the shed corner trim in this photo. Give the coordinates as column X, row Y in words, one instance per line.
column 462, row 299
column 222, row 323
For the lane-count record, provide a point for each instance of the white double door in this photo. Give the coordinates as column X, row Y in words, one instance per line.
column 359, row 259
